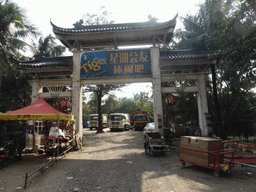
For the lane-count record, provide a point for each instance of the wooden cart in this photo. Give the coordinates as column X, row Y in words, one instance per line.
column 207, row 152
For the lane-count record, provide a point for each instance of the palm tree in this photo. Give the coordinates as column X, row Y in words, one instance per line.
column 48, row 47
column 13, row 28
column 226, row 27
column 201, row 27
column 200, row 33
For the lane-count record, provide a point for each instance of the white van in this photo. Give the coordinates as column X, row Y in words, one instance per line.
column 93, row 121
column 119, row 121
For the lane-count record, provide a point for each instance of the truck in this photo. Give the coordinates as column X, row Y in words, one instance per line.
column 119, row 121
column 93, row 121
column 141, row 119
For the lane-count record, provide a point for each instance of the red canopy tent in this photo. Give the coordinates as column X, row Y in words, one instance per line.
column 40, row 110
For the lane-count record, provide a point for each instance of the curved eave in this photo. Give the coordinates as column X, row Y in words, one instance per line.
column 48, row 65
column 183, row 55
column 185, row 60
column 110, row 28
column 45, row 61
column 116, row 34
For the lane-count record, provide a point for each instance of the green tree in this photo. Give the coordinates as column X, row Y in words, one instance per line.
column 186, row 107
column 127, row 105
column 98, row 92
column 48, row 47
column 200, row 30
column 15, row 91
column 141, row 98
column 13, row 28
column 227, row 28
column 110, row 104
column 236, row 52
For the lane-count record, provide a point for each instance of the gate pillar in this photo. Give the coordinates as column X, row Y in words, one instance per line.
column 77, row 93
column 35, row 90
column 202, row 104
column 157, row 91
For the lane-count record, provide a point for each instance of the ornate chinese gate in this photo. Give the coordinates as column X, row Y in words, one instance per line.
column 97, row 60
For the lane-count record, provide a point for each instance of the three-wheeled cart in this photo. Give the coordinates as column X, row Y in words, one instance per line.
column 207, row 152
column 155, row 144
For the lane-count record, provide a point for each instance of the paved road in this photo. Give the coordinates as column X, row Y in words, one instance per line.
column 116, row 161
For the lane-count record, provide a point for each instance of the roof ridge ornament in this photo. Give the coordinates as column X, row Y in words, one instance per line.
column 152, row 19
column 78, row 24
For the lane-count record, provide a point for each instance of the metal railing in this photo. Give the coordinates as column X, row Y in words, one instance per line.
column 42, row 168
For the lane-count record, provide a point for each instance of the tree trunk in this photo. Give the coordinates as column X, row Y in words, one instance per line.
column 220, row 131
column 99, row 95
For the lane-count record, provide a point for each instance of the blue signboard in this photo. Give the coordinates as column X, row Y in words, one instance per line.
column 115, row 63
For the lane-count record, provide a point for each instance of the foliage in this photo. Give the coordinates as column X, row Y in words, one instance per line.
column 186, row 107
column 92, row 103
column 100, row 18
column 15, row 90
column 228, row 29
column 13, row 27
column 48, row 47
column 141, row 98
column 124, row 105
column 109, row 104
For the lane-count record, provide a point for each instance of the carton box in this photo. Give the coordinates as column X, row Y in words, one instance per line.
column 206, row 144
column 197, row 150
column 200, row 158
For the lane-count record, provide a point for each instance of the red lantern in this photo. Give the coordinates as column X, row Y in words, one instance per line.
column 63, row 104
column 170, row 100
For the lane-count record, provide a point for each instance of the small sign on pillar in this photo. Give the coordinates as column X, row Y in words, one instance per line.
column 170, row 100
column 63, row 104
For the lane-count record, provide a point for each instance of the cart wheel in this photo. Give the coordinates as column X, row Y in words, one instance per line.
column 183, row 164
column 173, row 136
column 146, row 149
column 150, row 151
column 216, row 173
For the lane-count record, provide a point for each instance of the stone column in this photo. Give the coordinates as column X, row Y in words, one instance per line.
column 202, row 104
column 77, row 93
column 157, row 92
column 35, row 90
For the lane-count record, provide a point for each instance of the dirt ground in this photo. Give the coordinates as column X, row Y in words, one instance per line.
column 116, row 161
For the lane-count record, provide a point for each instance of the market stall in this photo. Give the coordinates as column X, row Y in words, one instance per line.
column 40, row 119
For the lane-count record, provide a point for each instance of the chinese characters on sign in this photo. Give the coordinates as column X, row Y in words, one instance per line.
column 116, row 63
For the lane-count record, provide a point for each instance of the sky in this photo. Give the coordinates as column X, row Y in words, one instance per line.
column 64, row 13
